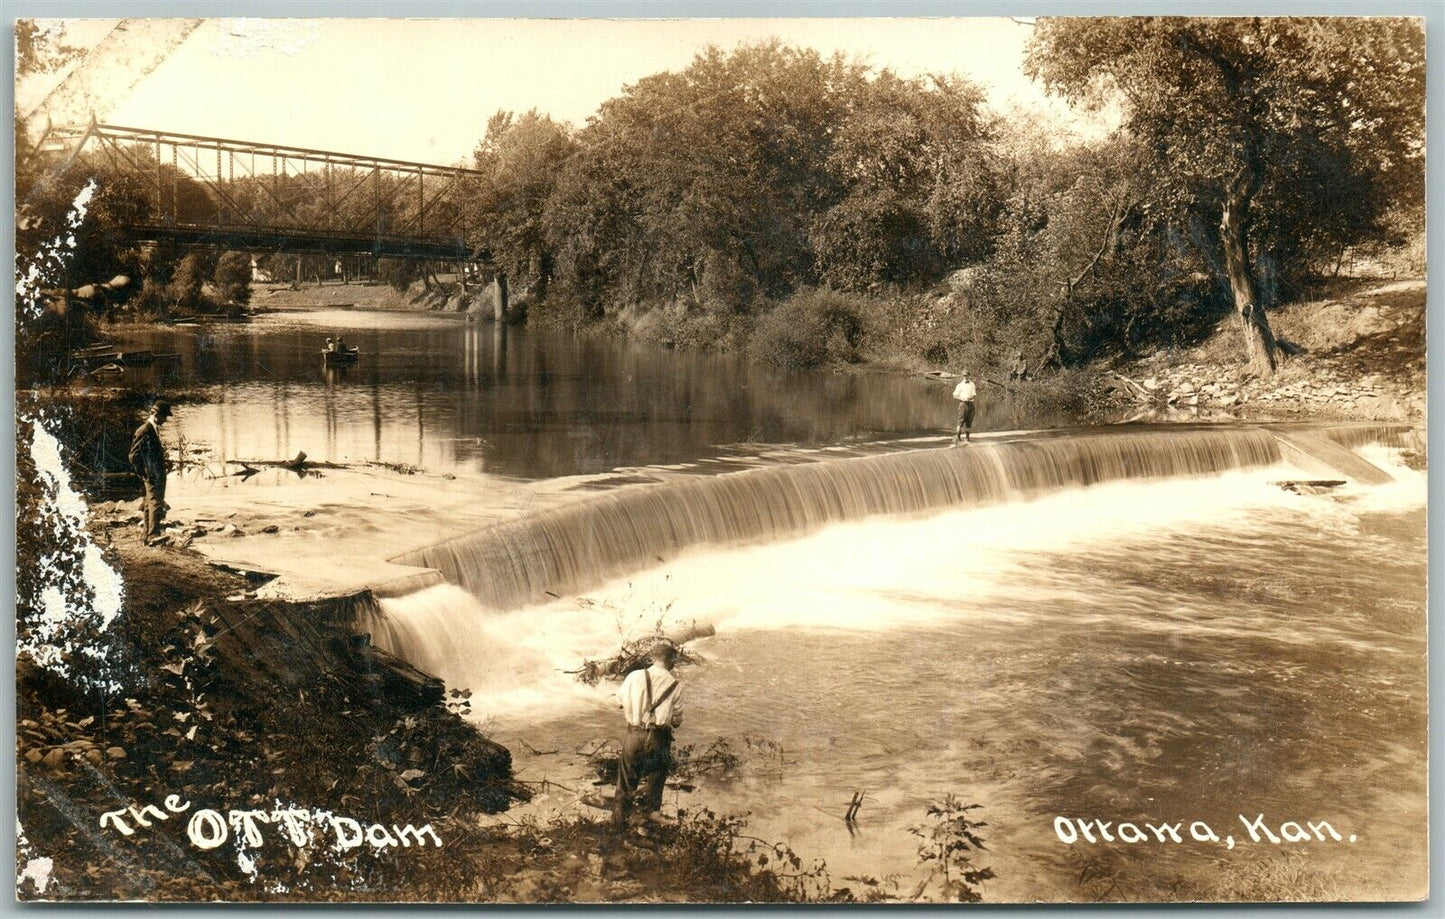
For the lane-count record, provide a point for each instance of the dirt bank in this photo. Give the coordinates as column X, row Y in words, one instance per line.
column 1358, row 353
column 446, row 296
column 228, row 703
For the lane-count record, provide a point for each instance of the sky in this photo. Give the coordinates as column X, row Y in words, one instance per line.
column 423, row 90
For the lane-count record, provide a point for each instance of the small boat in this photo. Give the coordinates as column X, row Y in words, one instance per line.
column 341, row 355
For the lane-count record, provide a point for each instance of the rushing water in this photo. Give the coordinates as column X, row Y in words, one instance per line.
column 1192, row 649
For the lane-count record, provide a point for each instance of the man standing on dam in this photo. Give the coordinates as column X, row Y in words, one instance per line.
column 652, row 704
column 965, row 392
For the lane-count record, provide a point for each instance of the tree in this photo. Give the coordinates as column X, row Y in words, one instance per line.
column 1261, row 122
column 914, row 160
column 521, row 158
column 701, row 186
column 399, row 273
column 233, row 278
column 187, row 281
column 41, row 48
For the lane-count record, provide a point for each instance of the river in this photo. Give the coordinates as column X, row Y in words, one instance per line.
column 473, row 397
column 1191, row 649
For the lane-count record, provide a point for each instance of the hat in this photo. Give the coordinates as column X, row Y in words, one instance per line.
column 160, row 405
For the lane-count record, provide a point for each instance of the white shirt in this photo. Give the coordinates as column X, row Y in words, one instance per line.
column 965, row 391
column 632, row 696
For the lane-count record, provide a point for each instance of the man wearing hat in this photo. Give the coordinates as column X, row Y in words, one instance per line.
column 965, row 392
column 651, row 702
column 148, row 459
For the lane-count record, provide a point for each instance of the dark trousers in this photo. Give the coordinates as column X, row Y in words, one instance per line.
column 965, row 419
column 155, row 504
column 646, row 757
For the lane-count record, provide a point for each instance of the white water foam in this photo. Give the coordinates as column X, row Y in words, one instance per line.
column 869, row 576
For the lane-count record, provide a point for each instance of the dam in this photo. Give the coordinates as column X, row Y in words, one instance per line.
column 560, row 550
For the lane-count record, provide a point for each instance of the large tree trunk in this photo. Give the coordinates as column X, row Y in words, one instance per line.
column 1259, row 341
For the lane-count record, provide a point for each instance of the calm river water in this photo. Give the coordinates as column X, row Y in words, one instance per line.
column 447, row 395
column 1168, row 652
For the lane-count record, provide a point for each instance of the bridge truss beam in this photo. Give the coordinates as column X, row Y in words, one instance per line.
column 213, row 191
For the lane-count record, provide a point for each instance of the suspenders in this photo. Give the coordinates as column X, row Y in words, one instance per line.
column 649, row 706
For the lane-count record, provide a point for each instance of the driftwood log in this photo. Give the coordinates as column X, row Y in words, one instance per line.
column 391, row 676
column 300, row 465
column 634, row 653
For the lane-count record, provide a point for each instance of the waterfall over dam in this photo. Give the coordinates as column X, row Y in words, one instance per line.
column 573, row 547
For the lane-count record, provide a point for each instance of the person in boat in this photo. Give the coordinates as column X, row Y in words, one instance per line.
column 340, row 345
column 330, row 346
column 966, row 393
column 148, row 459
column 652, row 705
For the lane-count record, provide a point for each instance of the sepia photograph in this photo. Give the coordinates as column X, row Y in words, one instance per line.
column 721, row 460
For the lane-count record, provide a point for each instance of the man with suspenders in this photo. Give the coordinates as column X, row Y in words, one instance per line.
column 651, row 702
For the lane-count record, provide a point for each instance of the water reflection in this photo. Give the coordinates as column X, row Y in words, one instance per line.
column 470, row 396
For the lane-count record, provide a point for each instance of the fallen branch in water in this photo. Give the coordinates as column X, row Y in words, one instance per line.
column 634, row 654
column 299, row 464
column 1139, row 391
column 690, row 762
column 296, row 464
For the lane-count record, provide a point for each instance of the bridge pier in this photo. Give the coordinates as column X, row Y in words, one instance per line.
column 499, row 297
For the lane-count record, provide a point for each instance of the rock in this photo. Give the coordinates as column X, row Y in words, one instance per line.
column 272, row 528
column 54, row 758
column 115, row 753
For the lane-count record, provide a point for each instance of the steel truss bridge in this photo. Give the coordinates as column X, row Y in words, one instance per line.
column 233, row 194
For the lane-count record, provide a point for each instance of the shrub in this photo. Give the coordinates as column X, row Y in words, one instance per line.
column 233, row 278
column 950, row 840
column 185, row 287
column 810, row 328
column 678, row 325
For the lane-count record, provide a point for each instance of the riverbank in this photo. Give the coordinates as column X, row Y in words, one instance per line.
column 1354, row 352
column 1357, row 353
column 445, row 296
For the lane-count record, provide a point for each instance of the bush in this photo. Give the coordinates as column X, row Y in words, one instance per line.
column 233, row 278
column 398, row 272
column 810, row 328
column 185, row 287
column 678, row 325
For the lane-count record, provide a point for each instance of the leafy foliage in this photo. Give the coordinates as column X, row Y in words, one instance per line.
column 950, row 843
column 747, row 175
column 810, row 328
column 1294, row 135
column 233, row 278
column 520, row 157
